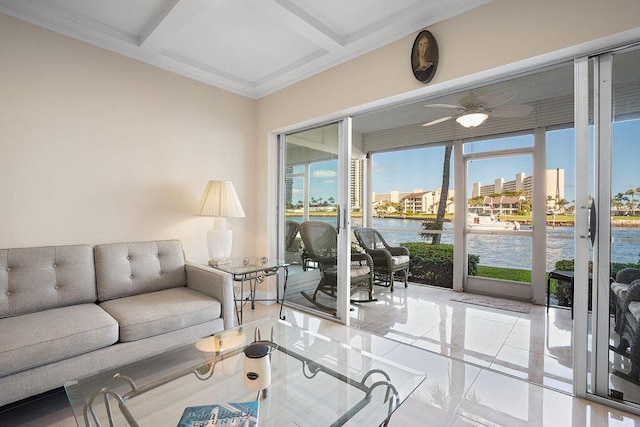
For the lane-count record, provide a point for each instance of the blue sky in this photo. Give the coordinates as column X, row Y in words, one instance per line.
column 422, row 168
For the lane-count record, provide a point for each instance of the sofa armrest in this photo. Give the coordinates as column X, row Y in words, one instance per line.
column 216, row 284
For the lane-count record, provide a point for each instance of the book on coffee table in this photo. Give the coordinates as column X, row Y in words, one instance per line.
column 241, row 414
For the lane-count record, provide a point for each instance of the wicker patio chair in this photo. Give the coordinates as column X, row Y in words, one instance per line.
column 321, row 244
column 387, row 259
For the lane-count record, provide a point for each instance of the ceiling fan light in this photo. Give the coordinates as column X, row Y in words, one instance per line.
column 472, row 120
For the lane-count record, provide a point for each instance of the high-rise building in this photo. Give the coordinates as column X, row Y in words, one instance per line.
column 554, row 186
column 357, row 183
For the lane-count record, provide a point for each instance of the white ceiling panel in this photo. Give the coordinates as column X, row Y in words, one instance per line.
column 250, row 47
column 348, row 18
column 240, row 41
column 129, row 17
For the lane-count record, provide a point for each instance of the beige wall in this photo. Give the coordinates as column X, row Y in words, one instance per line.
column 500, row 33
column 100, row 148
column 96, row 147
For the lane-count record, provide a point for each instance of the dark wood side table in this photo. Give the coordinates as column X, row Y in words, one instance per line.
column 562, row 276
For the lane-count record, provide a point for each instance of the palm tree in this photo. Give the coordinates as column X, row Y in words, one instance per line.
column 444, row 195
column 618, row 201
column 632, row 203
column 561, row 203
column 549, row 200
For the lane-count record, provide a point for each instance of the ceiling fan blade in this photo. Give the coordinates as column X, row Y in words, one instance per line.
column 494, row 98
column 435, row 122
column 511, row 111
column 455, row 107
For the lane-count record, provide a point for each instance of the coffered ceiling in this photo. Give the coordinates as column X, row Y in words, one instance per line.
column 250, row 47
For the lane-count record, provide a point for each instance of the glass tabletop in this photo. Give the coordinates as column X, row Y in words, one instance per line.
column 315, row 381
column 247, row 265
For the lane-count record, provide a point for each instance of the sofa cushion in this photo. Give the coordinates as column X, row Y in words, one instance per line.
column 126, row 269
column 36, row 339
column 36, row 279
column 155, row 313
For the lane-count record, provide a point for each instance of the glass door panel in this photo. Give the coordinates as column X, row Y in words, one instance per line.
column 311, row 180
column 560, row 212
column 620, row 316
column 499, row 216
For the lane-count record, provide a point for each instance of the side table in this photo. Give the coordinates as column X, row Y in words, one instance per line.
column 562, row 276
column 253, row 270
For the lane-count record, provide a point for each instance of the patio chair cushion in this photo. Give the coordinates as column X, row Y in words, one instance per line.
column 356, row 270
column 620, row 290
column 634, row 309
column 400, row 259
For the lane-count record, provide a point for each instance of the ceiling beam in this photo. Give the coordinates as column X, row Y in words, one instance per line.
column 169, row 23
column 291, row 16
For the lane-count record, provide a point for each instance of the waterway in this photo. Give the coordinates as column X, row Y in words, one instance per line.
column 506, row 251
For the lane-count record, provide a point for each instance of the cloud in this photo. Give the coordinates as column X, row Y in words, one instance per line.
column 324, row 173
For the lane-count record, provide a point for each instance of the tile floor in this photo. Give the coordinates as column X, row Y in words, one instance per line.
column 484, row 366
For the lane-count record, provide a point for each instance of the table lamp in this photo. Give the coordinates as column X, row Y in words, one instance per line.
column 220, row 201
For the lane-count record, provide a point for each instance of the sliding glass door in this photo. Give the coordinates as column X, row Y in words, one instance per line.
column 607, row 314
column 314, row 222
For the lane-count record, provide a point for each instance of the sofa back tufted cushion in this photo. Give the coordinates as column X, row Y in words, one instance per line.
column 36, row 279
column 126, row 269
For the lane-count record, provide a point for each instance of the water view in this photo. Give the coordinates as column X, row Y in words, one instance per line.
column 505, row 251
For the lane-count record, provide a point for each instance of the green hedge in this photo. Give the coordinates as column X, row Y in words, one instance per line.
column 433, row 264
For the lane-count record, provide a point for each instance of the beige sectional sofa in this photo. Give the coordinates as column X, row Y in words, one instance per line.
column 71, row 311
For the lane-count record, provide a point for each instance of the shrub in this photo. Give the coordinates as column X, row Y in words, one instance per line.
column 433, row 264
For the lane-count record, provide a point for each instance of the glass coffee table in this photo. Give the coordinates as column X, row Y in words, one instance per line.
column 315, row 381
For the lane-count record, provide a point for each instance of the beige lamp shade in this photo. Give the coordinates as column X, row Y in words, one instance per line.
column 219, row 199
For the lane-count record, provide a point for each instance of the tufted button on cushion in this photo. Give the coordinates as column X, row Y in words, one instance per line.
column 55, row 265
column 57, row 286
column 128, row 257
column 8, row 293
column 8, row 268
column 131, row 277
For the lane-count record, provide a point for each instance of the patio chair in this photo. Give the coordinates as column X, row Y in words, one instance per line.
column 387, row 259
column 625, row 293
column 291, row 243
column 321, row 244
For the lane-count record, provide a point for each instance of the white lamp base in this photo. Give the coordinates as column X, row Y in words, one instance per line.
column 219, row 242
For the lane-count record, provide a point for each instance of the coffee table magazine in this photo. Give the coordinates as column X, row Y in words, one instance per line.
column 241, row 414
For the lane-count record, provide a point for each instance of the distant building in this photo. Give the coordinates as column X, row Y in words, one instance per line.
column 554, row 185
column 425, row 202
column 393, row 196
column 505, row 205
column 357, row 183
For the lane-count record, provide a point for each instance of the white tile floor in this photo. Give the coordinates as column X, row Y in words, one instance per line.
column 484, row 366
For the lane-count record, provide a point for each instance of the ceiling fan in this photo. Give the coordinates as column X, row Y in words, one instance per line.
column 475, row 109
